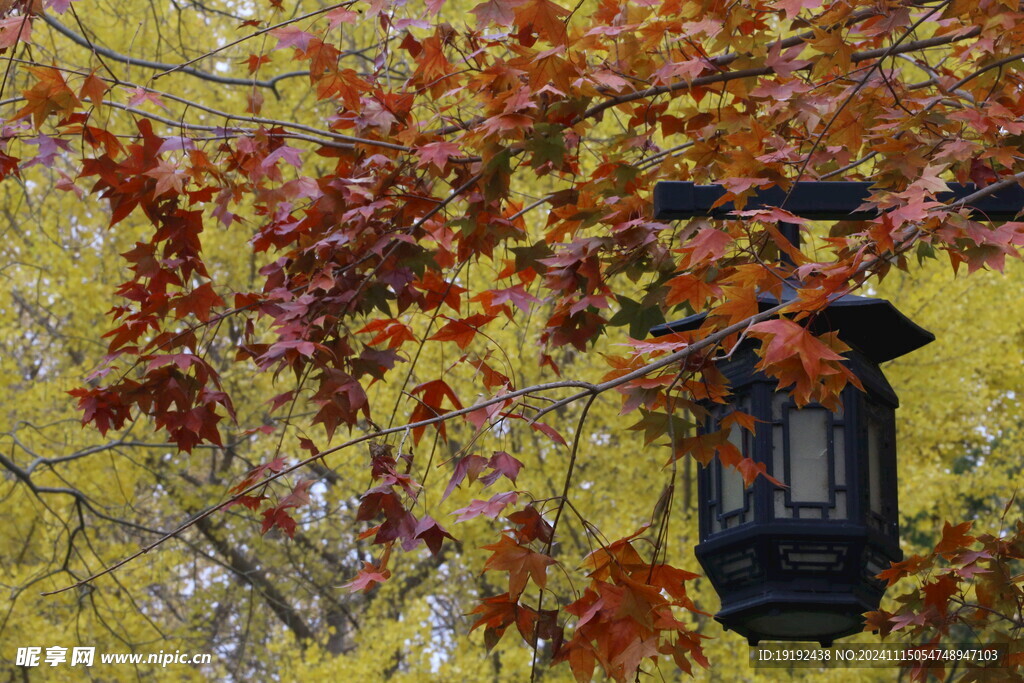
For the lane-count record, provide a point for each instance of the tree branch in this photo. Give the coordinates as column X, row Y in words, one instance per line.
column 767, row 70
column 161, row 66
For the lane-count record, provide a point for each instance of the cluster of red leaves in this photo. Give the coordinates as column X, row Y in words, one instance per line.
column 811, row 365
column 630, row 613
column 392, row 498
column 276, row 515
column 967, row 587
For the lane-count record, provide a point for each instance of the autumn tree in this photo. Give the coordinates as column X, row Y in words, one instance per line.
column 377, row 279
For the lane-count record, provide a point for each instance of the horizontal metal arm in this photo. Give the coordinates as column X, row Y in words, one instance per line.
column 817, row 200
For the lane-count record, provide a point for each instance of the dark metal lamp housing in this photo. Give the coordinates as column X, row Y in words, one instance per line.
column 799, row 563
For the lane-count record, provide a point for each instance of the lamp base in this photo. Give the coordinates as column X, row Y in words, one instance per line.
column 824, row 620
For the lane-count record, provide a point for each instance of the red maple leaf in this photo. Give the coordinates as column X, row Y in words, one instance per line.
column 292, row 36
column 787, row 339
column 432, row 395
column 278, row 517
column 707, row 245
column 431, row 533
column 495, row 12
column 168, row 177
column 497, row 613
column 520, row 562
column 543, row 17
column 488, row 508
column 532, row 526
column 503, row 465
column 461, row 331
column 937, row 593
column 954, row 539
column 368, row 577
column 466, row 466
column 198, row 302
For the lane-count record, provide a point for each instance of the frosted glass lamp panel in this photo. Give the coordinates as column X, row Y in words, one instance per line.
column 874, row 465
column 809, row 455
column 779, row 472
column 732, row 481
column 839, row 460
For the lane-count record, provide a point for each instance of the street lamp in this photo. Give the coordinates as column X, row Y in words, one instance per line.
column 799, row 563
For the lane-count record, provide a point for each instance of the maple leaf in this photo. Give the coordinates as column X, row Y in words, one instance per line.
column 168, row 177
column 504, row 465
column 59, row 6
column 937, row 593
column 466, row 466
column 431, row 533
column 708, row 245
column 972, row 570
column 278, row 517
column 198, row 302
column 532, row 526
column 140, row 95
column 291, row 36
column 793, row 7
column 550, row 432
column 744, row 420
column 15, row 29
column 750, row 470
column 392, row 331
column 787, row 339
column 251, row 502
column 338, row 16
column 492, row 378
column 437, row 153
column 784, row 64
column 954, row 539
column 982, row 174
column 636, row 650
column 368, row 577
column 281, row 399
column 94, row 89
column 438, row 292
column 488, row 508
column 176, row 143
column 704, row 447
column 254, row 102
column 497, row 614
column 905, row 619
column 289, row 154
column 520, row 562
column 878, row 621
column 257, row 473
column 517, row 295
column 49, row 94
column 49, row 148
column 495, row 12
column 898, row 570
column 543, row 17
column 255, row 61
column 433, row 393
column 299, row 495
column 691, row 289
column 461, row 331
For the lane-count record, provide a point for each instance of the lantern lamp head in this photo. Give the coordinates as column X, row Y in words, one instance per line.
column 799, row 563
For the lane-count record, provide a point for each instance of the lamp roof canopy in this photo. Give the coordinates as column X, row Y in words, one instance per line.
column 873, row 326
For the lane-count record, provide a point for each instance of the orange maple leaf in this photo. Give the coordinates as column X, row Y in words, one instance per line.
column 521, row 563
